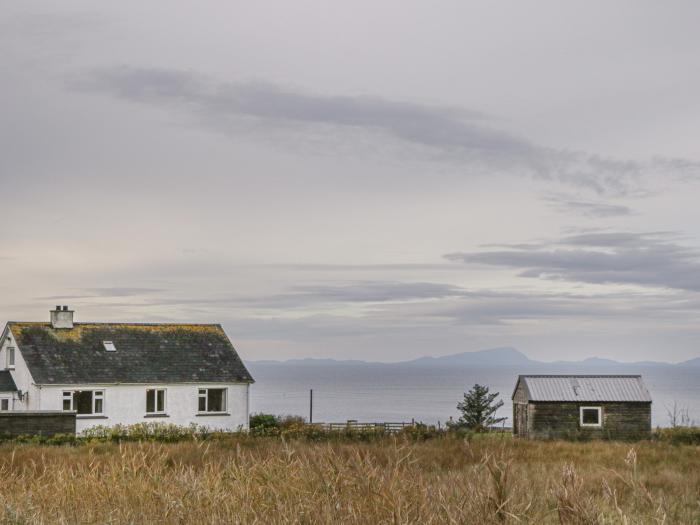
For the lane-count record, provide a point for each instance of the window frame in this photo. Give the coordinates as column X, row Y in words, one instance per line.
column 10, row 351
column 599, row 424
column 203, row 394
column 5, row 400
column 155, row 391
column 98, row 397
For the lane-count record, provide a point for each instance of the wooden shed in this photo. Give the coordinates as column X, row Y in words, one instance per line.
column 581, row 406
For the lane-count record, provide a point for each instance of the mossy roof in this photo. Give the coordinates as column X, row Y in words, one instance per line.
column 145, row 353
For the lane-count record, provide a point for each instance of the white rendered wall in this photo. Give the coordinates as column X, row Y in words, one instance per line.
column 126, row 405
column 21, row 376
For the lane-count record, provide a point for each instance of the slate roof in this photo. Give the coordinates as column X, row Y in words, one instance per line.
column 593, row 388
column 146, row 353
column 7, row 384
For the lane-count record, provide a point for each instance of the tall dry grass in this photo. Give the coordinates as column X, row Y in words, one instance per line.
column 445, row 480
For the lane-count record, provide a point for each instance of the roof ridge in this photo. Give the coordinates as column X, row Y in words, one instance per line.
column 118, row 322
column 580, row 375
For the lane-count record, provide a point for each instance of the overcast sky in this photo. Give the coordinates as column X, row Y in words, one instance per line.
column 370, row 180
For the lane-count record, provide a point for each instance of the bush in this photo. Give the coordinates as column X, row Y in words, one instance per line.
column 289, row 421
column 421, row 432
column 679, row 435
column 40, row 439
column 259, row 421
column 261, row 425
column 264, row 425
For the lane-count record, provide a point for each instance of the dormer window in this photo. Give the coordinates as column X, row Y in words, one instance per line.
column 109, row 346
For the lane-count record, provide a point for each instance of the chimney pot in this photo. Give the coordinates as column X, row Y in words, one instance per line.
column 62, row 317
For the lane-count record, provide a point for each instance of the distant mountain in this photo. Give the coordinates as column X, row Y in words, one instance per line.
column 313, row 361
column 691, row 362
column 602, row 362
column 493, row 357
column 504, row 356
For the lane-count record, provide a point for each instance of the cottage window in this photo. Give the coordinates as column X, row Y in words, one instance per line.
column 84, row 401
column 10, row 357
column 591, row 417
column 4, row 404
column 155, row 401
column 212, row 400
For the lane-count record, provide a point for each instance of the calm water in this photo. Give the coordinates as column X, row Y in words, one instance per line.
column 400, row 393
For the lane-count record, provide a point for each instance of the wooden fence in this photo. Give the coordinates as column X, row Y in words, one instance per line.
column 364, row 427
column 388, row 427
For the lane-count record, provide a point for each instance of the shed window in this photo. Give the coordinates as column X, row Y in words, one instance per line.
column 212, row 400
column 155, row 401
column 84, row 401
column 10, row 357
column 591, row 417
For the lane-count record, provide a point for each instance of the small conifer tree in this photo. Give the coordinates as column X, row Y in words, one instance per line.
column 478, row 408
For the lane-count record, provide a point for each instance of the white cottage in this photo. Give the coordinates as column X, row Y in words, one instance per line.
column 124, row 373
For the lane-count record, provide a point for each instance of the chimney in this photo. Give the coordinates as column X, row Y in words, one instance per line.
column 62, row 317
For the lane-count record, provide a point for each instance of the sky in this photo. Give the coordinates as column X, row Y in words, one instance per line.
column 358, row 180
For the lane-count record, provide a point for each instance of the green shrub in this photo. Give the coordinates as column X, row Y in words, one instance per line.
column 289, row 421
column 259, row 421
column 268, row 425
column 421, row 432
column 679, row 435
column 160, row 432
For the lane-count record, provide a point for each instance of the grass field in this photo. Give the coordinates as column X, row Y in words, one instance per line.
column 240, row 479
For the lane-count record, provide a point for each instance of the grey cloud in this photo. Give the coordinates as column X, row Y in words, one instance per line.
column 463, row 136
column 313, row 296
column 425, row 125
column 116, row 291
column 393, row 306
column 627, row 239
column 483, row 307
column 376, row 291
column 388, row 267
column 645, row 259
column 460, row 316
column 587, row 208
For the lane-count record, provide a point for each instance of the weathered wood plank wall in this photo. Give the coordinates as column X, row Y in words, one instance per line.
column 628, row 420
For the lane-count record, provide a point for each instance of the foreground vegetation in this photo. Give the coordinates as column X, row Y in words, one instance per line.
column 410, row 478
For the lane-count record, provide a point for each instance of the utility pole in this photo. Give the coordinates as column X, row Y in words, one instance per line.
column 311, row 405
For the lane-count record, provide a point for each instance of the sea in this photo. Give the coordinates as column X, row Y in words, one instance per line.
column 429, row 394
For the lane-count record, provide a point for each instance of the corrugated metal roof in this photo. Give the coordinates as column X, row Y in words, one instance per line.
column 585, row 388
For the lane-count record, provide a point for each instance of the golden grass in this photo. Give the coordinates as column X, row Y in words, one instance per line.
column 392, row 480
